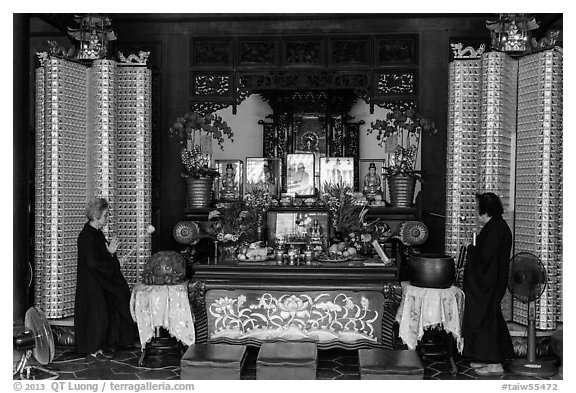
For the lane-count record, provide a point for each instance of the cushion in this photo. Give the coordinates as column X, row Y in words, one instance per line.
column 388, row 361
column 214, row 355
column 282, row 361
column 288, row 354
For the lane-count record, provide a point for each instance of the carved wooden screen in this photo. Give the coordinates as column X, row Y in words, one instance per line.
column 379, row 69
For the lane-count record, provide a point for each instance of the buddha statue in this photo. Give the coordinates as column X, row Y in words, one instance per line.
column 316, row 233
column 372, row 183
column 229, row 185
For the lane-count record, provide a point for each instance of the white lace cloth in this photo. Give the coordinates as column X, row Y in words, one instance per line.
column 423, row 308
column 168, row 306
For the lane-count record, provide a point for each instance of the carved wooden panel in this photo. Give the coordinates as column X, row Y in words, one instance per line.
column 374, row 68
column 257, row 53
column 211, row 53
column 352, row 147
column 395, row 104
column 390, row 50
column 396, row 82
column 211, row 84
column 303, row 52
column 349, row 52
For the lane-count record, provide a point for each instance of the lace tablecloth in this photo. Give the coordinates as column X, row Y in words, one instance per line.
column 165, row 306
column 423, row 308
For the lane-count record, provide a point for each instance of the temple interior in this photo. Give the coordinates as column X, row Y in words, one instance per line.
column 295, row 195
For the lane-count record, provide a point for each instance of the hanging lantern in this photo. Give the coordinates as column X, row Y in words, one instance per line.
column 510, row 32
column 93, row 34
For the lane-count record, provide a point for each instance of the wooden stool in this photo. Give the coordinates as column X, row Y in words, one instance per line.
column 379, row 363
column 295, row 360
column 213, row 362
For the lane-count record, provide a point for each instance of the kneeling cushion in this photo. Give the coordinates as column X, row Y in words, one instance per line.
column 287, row 361
column 213, row 362
column 381, row 363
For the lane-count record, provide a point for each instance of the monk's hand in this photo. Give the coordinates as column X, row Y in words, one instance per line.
column 112, row 245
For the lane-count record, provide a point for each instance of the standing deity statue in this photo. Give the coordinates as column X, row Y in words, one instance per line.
column 372, row 183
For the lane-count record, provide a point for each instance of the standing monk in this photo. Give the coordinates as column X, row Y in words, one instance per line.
column 486, row 337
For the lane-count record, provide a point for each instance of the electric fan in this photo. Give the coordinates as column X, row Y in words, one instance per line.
column 527, row 281
column 36, row 340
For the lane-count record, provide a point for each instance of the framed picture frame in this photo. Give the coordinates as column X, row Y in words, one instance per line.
column 229, row 183
column 369, row 185
column 261, row 171
column 310, row 226
column 336, row 170
column 300, row 174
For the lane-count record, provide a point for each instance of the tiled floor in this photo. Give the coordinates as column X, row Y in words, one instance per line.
column 332, row 364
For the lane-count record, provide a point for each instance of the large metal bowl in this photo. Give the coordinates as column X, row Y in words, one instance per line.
column 431, row 271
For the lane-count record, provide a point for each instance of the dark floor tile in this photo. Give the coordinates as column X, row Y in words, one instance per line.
column 71, row 366
column 444, row 376
column 346, row 376
column 123, row 356
column 509, row 376
column 156, row 374
column 94, row 373
column 126, row 369
column 348, row 369
column 65, row 375
column 324, row 373
column 123, row 377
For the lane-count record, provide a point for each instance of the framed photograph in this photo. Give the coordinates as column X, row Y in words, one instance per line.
column 371, row 178
column 265, row 172
column 310, row 226
column 300, row 174
column 229, row 184
column 337, row 170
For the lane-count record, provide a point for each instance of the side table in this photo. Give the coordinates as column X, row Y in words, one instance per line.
column 157, row 308
column 425, row 308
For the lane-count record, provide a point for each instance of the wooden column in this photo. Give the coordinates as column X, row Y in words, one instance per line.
column 21, row 162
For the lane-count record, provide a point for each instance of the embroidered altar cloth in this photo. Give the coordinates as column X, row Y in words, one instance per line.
column 424, row 308
column 165, row 306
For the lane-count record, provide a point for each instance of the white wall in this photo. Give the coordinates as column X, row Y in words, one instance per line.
column 248, row 134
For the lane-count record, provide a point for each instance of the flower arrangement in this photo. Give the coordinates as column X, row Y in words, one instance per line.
column 258, row 198
column 195, row 131
column 186, row 127
column 347, row 218
column 230, row 225
column 407, row 126
column 340, row 201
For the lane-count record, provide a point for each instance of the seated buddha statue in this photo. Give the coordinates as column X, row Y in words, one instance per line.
column 372, row 183
column 229, row 185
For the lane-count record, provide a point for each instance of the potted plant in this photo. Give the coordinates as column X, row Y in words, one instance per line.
column 406, row 127
column 195, row 132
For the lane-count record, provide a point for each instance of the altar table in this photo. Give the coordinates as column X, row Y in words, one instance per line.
column 331, row 304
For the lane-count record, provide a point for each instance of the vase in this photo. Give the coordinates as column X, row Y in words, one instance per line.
column 226, row 252
column 199, row 191
column 401, row 190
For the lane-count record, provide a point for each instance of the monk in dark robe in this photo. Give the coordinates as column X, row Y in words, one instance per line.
column 102, row 317
column 486, row 337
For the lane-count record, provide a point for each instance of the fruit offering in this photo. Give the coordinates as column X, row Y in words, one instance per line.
column 342, row 249
column 254, row 252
